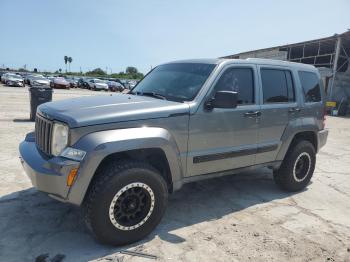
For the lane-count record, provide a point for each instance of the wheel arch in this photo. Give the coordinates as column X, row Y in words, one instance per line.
column 154, row 145
column 299, row 135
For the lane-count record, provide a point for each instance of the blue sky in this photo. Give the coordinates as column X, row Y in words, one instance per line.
column 116, row 34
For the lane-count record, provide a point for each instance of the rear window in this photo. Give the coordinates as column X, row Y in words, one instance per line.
column 311, row 87
column 277, row 86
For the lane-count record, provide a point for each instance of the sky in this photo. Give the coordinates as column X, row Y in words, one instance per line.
column 115, row 34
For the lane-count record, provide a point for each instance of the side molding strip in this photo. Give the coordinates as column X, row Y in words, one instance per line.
column 236, row 153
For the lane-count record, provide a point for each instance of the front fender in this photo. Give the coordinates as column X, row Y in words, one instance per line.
column 99, row 145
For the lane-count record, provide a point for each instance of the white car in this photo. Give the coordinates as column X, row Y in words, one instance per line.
column 11, row 79
column 97, row 84
column 39, row 81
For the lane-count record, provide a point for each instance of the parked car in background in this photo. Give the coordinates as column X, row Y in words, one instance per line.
column 51, row 78
column 132, row 84
column 11, row 79
column 115, row 86
column 73, row 82
column 1, row 74
column 97, row 85
column 39, row 81
column 29, row 77
column 60, row 82
column 83, row 82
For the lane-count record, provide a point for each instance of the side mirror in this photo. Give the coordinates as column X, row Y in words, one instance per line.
column 222, row 99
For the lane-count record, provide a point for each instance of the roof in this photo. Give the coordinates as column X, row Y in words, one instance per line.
column 259, row 61
column 200, row 61
column 333, row 37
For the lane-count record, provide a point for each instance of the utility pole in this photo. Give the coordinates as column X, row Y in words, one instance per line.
column 335, row 64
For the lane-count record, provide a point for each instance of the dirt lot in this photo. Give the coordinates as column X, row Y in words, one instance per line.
column 238, row 218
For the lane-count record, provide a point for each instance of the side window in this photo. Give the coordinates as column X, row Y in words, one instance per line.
column 311, row 86
column 277, row 86
column 240, row 80
column 290, row 86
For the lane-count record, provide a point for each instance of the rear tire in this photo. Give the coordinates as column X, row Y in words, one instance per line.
column 125, row 202
column 297, row 167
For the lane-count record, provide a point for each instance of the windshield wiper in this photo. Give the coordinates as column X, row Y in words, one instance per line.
column 152, row 94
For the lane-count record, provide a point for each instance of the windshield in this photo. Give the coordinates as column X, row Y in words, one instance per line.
column 176, row 81
column 39, row 78
column 16, row 76
column 98, row 81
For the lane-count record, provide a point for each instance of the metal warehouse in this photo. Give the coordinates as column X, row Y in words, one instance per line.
column 329, row 54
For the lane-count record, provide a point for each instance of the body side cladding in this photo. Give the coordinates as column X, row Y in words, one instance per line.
column 234, row 153
column 190, row 179
column 99, row 145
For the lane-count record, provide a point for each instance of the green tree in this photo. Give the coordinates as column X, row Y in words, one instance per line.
column 65, row 61
column 96, row 72
column 70, row 60
column 131, row 70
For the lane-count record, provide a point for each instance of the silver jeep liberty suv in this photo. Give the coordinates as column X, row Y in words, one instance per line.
column 119, row 156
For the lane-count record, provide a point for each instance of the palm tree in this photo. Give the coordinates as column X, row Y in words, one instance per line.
column 65, row 61
column 70, row 60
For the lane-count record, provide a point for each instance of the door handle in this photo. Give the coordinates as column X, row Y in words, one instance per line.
column 294, row 110
column 252, row 114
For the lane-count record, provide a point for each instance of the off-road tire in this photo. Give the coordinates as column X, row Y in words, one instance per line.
column 285, row 177
column 109, row 180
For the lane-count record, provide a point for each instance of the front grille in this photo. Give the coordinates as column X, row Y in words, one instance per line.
column 43, row 131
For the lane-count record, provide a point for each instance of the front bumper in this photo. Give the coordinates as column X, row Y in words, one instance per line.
column 16, row 83
column 321, row 138
column 46, row 174
column 101, row 88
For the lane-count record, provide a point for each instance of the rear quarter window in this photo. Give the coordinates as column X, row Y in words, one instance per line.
column 311, row 86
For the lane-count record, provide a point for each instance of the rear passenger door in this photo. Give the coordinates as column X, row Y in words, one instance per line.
column 278, row 106
column 313, row 105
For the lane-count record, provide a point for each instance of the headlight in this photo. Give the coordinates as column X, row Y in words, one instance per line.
column 73, row 153
column 59, row 138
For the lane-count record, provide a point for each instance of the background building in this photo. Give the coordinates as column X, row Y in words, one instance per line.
column 330, row 55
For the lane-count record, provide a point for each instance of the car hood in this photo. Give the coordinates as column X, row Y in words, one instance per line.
column 61, row 82
column 14, row 79
column 95, row 110
column 41, row 81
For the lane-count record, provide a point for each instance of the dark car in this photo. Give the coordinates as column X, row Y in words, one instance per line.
column 115, row 86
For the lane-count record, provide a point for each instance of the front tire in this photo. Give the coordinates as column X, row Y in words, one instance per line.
column 297, row 167
column 126, row 202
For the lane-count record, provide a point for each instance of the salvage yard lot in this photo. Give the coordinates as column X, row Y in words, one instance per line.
column 243, row 217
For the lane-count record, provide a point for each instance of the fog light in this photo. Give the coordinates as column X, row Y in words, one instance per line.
column 73, row 153
column 71, row 177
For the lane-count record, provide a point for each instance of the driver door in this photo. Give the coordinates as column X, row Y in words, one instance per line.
column 226, row 138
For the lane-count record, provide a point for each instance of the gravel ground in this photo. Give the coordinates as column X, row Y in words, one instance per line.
column 239, row 218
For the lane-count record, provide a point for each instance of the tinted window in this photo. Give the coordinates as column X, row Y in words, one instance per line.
column 239, row 80
column 277, row 86
column 175, row 81
column 311, row 87
column 290, row 86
